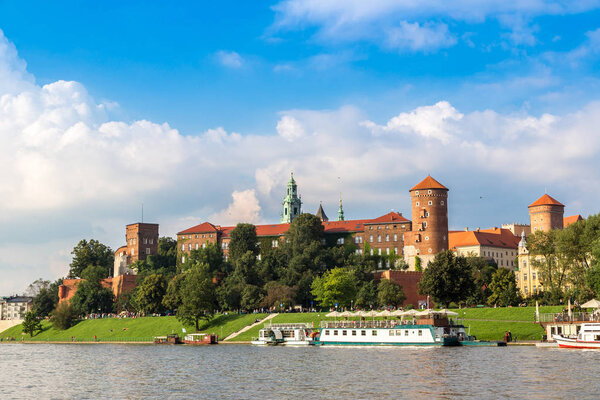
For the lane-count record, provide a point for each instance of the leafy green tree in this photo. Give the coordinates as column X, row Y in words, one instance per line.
column 367, row 295
column 504, row 288
column 482, row 270
column 36, row 286
column 164, row 262
column 389, row 293
column 198, row 299
column 418, row 266
column 149, row 295
column 211, row 256
column 31, row 324
column 303, row 232
column 552, row 266
column 278, row 295
column 91, row 296
column 251, row 298
column 246, row 268
column 229, row 293
column 447, row 279
column 64, row 316
column 337, row 285
column 91, row 253
column 173, row 298
column 243, row 240
column 46, row 299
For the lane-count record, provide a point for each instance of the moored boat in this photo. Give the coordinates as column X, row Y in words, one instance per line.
column 587, row 338
column 201, row 339
column 168, row 339
column 291, row 334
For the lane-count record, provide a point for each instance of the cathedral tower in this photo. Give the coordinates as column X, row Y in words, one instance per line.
column 545, row 214
column 429, row 235
column 291, row 202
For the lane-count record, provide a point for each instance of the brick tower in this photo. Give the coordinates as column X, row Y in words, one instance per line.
column 429, row 235
column 142, row 241
column 545, row 214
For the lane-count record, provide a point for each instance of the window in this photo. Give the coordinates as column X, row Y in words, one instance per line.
column 203, row 236
column 225, row 245
column 387, row 251
column 533, row 276
column 391, row 332
column 420, row 332
column 327, row 332
column 426, row 237
column 379, row 250
column 387, row 238
column 151, row 241
column 371, row 238
column 340, row 241
column 344, row 333
column 429, row 250
column 395, row 237
column 147, row 250
column 442, row 202
column 378, row 238
column 182, row 259
column 196, row 236
column 335, row 332
column 363, row 333
column 197, row 246
column 403, row 226
column 417, row 204
column 417, row 192
column 203, row 245
column 356, row 239
column 190, row 246
column 429, row 192
column 406, row 332
column 211, row 235
column 524, row 276
column 353, row 333
column 430, row 203
column 374, row 333
column 183, row 247
column 274, row 243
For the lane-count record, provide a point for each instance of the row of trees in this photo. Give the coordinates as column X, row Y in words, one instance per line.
column 568, row 260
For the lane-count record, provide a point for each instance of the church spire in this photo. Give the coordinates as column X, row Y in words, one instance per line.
column 340, row 210
column 291, row 202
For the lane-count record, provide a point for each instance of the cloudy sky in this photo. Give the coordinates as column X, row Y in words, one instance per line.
column 200, row 112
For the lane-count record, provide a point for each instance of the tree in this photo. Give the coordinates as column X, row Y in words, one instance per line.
column 304, row 231
column 31, row 324
column 91, row 253
column 91, row 296
column 389, row 293
column 64, row 316
column 482, row 270
column 552, row 265
column 47, row 299
column 447, row 279
column 149, row 295
column 367, row 295
column 198, row 299
column 336, row 286
column 36, row 286
column 278, row 295
column 172, row 299
column 164, row 262
column 211, row 256
column 243, row 240
column 418, row 266
column 251, row 297
column 504, row 288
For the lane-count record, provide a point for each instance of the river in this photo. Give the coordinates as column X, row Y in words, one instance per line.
column 104, row 371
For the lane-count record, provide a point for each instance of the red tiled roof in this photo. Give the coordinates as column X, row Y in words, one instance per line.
column 546, row 200
column 388, row 218
column 494, row 237
column 571, row 220
column 202, row 228
column 356, row 225
column 428, row 183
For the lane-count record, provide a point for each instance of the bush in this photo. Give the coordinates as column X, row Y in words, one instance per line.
column 64, row 316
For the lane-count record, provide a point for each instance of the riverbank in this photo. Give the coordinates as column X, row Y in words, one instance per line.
column 484, row 323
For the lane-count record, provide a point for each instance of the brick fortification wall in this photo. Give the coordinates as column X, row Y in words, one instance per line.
column 409, row 280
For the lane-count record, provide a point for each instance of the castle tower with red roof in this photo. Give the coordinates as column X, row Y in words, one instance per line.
column 429, row 235
column 546, row 213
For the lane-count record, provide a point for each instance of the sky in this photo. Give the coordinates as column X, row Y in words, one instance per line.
column 200, row 111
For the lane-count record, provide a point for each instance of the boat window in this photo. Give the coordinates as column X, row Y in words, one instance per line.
column 406, row 332
column 344, row 333
column 374, row 333
column 327, row 332
column 420, row 332
column 335, row 332
column 391, row 332
column 398, row 332
column 353, row 333
column 363, row 333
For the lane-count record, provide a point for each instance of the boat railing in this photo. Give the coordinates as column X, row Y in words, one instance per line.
column 573, row 317
column 292, row 325
column 366, row 324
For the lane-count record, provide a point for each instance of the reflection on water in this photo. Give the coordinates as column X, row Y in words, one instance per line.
column 244, row 372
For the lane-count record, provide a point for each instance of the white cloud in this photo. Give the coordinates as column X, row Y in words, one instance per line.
column 413, row 24
column 230, row 59
column 289, row 128
column 244, row 208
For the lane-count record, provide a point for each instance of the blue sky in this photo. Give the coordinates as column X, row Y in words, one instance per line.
column 200, row 110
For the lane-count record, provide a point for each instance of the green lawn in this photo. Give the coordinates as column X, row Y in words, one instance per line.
column 525, row 314
column 134, row 329
column 494, row 330
column 315, row 318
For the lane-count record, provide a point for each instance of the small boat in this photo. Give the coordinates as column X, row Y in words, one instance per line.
column 168, row 339
column 587, row 338
column 293, row 334
column 201, row 338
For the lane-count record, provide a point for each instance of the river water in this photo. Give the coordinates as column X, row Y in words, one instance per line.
column 112, row 371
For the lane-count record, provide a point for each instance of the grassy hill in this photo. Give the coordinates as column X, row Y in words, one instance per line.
column 133, row 329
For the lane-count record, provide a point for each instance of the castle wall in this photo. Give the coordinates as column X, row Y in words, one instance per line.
column 409, row 280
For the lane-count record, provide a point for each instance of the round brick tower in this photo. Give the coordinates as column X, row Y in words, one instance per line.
column 429, row 236
column 546, row 213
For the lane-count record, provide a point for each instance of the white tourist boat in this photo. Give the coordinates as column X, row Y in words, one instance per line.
column 292, row 334
column 587, row 338
column 432, row 328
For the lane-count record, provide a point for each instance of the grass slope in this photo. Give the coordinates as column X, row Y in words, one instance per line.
column 133, row 329
column 524, row 314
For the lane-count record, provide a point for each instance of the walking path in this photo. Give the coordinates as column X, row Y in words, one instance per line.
column 244, row 329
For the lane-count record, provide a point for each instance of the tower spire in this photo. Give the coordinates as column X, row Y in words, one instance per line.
column 340, row 210
column 291, row 202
